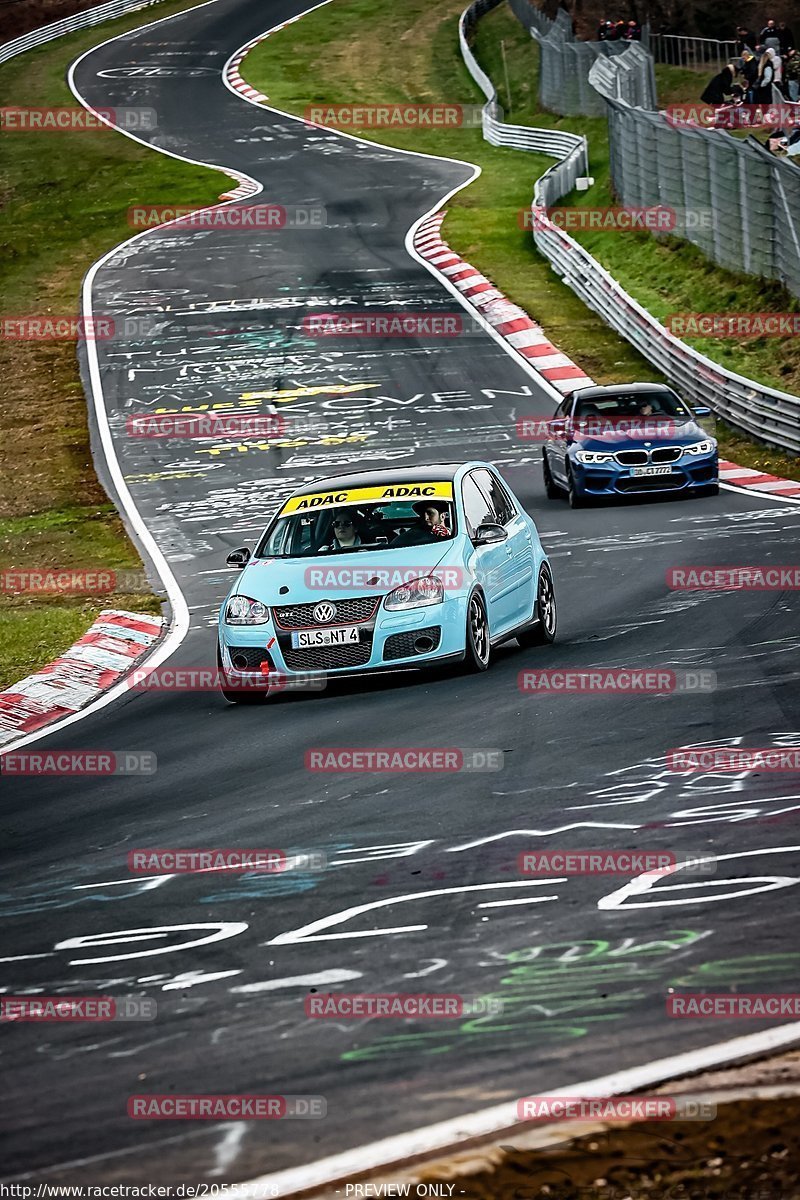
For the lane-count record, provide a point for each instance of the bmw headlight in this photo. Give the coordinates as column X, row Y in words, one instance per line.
column 241, row 610
column 415, row 594
column 700, row 448
column 593, row 456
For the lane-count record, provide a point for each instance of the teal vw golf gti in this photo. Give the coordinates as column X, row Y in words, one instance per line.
column 386, row 570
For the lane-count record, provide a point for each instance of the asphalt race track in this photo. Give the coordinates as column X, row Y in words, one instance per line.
column 583, row 986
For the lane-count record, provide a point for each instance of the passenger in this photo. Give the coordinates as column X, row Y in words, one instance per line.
column 432, row 524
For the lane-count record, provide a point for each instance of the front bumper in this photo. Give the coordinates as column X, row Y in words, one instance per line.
column 610, row 479
column 387, row 641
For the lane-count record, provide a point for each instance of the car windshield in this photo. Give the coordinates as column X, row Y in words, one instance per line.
column 348, row 527
column 622, row 407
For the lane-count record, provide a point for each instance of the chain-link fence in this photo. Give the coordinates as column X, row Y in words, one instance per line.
column 564, row 86
column 737, row 202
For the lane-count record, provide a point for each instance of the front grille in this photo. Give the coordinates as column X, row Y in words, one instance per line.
column 649, row 483
column 631, row 458
column 401, row 645
column 348, row 612
column 666, row 454
column 327, row 658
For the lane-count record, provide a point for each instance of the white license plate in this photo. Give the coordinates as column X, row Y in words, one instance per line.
column 651, row 470
column 346, row 635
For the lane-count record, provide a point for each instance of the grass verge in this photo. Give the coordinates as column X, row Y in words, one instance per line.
column 413, row 51
column 63, row 203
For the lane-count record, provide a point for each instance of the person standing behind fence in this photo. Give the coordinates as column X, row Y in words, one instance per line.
column 745, row 40
column 769, row 36
column 749, row 73
column 791, row 75
column 765, row 78
column 786, row 38
column 633, row 32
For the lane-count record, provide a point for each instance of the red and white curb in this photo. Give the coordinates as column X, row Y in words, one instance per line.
column 245, row 187
column 746, row 477
column 109, row 649
column 232, row 68
column 507, row 319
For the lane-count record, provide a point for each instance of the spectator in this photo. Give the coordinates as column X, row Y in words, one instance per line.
column 791, row 75
column 778, row 143
column 601, row 32
column 720, row 87
column 766, row 78
column 777, row 67
column 620, row 31
column 786, row 38
column 749, row 72
column 745, row 40
column 633, row 32
column 769, row 36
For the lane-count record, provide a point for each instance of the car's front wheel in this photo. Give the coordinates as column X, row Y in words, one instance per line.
column 551, row 488
column 544, row 631
column 477, row 641
column 238, row 695
column 576, row 498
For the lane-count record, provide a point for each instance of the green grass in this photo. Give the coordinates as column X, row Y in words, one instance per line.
column 413, row 51
column 63, row 203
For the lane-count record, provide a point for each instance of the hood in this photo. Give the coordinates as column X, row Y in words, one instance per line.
column 610, row 440
column 331, row 576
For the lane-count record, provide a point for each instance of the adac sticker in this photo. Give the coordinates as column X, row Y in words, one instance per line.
column 391, row 491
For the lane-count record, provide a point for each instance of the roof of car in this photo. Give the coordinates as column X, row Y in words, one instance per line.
column 423, row 474
column 615, row 389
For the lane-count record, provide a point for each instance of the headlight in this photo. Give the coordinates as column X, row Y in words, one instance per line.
column 593, row 456
column 700, row 448
column 241, row 610
column 415, row 594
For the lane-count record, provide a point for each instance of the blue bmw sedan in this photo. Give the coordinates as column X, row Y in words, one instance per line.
column 627, row 439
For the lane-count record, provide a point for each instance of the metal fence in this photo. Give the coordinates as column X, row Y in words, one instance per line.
column 766, row 413
column 82, row 20
column 677, row 51
column 737, row 202
column 564, row 86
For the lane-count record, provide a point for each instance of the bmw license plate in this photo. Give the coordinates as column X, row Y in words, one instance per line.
column 651, row 470
column 346, row 635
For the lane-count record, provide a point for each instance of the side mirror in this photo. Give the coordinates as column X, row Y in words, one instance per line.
column 489, row 534
column 702, row 411
column 238, row 558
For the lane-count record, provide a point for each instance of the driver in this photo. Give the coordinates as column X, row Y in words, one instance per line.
column 346, row 532
column 433, row 516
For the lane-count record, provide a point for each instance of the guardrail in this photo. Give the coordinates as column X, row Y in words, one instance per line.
column 765, row 413
column 82, row 20
column 675, row 50
column 555, row 142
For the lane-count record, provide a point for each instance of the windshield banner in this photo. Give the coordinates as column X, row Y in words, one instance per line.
column 373, row 495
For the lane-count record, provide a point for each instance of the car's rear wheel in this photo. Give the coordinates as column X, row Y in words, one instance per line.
column 552, row 490
column 544, row 631
column 238, row 695
column 478, row 641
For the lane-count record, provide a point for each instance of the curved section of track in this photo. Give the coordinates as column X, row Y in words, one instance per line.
column 422, row 891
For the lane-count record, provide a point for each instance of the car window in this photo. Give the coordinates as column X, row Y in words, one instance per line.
column 477, row 508
column 500, row 504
